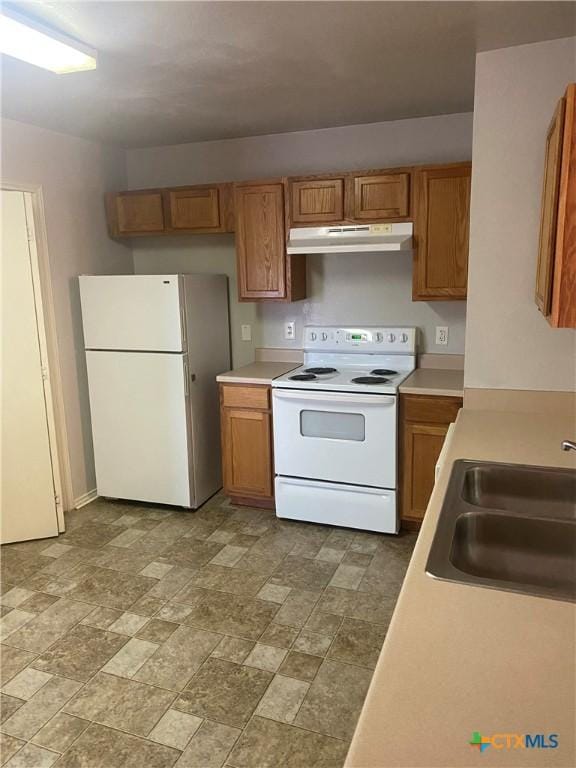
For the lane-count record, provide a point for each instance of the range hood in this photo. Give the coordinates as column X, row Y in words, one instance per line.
column 354, row 238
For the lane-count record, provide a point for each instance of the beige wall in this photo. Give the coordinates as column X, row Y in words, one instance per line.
column 366, row 289
column 74, row 174
column 509, row 345
column 214, row 254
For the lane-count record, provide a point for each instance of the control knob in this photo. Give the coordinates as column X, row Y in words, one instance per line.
column 324, row 337
column 379, row 337
column 390, row 337
column 403, row 338
column 313, row 336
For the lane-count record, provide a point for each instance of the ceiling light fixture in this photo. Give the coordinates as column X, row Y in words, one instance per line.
column 37, row 44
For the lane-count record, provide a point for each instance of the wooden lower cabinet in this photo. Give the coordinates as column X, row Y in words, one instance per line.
column 424, row 422
column 246, row 428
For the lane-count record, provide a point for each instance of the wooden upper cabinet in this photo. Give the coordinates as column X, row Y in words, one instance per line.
column 316, row 201
column 197, row 208
column 556, row 272
column 380, row 197
column 135, row 213
column 264, row 269
column 441, row 229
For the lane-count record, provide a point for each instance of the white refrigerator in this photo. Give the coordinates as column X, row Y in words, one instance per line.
column 154, row 346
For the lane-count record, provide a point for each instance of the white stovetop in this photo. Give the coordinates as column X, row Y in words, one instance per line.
column 342, row 380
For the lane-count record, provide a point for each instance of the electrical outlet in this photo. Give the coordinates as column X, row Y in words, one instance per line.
column 290, row 330
column 246, row 333
column 442, row 334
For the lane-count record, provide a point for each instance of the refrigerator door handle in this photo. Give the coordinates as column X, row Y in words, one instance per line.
column 183, row 326
column 186, row 391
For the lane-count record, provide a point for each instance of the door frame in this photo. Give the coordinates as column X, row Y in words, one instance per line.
column 48, row 341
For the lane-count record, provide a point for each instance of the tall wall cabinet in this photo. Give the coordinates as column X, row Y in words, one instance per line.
column 441, row 229
column 265, row 271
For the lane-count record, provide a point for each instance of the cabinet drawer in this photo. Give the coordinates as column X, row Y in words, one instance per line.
column 430, row 409
column 241, row 396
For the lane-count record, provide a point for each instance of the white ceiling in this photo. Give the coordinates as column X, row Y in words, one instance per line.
column 172, row 72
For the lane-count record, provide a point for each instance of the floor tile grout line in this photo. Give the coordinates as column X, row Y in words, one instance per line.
column 165, row 600
column 60, row 712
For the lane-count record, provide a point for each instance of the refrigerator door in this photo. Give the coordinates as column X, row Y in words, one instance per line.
column 140, row 425
column 132, row 312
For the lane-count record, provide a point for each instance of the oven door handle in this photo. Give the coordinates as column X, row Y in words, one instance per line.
column 333, row 397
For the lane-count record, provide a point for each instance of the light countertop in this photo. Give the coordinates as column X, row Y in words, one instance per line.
column 434, row 381
column 459, row 658
column 257, row 373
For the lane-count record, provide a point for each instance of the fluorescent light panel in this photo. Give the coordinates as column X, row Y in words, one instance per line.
column 32, row 42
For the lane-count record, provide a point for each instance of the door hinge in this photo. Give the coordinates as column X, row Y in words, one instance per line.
column 29, row 234
column 57, row 499
column 45, row 375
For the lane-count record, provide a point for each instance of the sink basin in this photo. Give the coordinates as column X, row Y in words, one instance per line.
column 523, row 490
column 508, row 527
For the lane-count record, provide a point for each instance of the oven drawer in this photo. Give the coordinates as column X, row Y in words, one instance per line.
column 339, row 437
column 370, row 509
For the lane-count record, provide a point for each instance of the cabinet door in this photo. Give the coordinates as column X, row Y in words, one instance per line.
column 195, row 209
column 260, row 241
column 549, row 214
column 138, row 213
column 316, row 201
column 422, row 444
column 563, row 311
column 442, row 224
column 247, row 452
column 381, row 197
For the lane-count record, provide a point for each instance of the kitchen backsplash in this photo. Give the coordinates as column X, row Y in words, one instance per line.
column 344, row 288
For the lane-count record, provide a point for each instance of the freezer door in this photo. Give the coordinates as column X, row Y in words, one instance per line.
column 132, row 312
column 139, row 408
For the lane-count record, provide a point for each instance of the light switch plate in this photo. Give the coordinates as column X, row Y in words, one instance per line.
column 246, row 333
column 290, row 330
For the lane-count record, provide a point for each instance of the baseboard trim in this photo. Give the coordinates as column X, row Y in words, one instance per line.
column 86, row 498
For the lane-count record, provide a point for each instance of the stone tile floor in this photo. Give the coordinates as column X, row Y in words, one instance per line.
column 146, row 636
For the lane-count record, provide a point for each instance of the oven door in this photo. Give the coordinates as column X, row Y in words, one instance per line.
column 338, row 437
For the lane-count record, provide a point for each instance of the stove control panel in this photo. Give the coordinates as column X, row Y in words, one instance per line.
column 331, row 338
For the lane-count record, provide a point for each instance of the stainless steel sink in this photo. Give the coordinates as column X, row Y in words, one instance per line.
column 508, row 527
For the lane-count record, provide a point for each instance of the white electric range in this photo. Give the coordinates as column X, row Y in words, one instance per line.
column 335, row 427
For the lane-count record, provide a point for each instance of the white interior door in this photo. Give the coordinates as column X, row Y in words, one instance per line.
column 132, row 312
column 138, row 405
column 27, row 495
